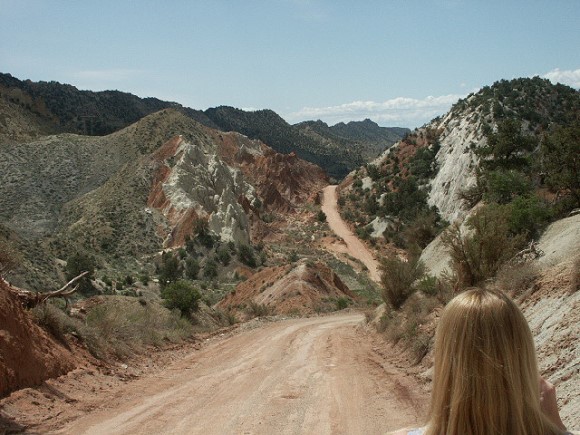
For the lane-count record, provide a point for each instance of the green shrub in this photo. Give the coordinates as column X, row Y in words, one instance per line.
column 144, row 278
column 503, row 185
column 428, row 285
column 191, row 268
column 341, row 303
column 528, row 215
column 170, row 270
column 397, row 279
column 321, row 216
column 246, row 255
column 560, row 151
column 479, row 255
column 77, row 264
column 183, row 296
column 223, row 255
column 210, row 269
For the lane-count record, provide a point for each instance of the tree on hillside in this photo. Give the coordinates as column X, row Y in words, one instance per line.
column 561, row 160
column 77, row 264
column 170, row 270
column 507, row 146
column 183, row 296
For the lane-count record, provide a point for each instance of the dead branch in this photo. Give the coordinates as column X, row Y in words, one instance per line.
column 530, row 253
column 32, row 299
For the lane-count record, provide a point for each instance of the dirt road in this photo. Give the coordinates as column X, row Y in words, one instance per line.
column 354, row 246
column 322, row 375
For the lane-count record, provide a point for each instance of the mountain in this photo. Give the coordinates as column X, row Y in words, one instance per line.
column 366, row 136
column 439, row 166
column 129, row 194
column 337, row 152
column 30, row 110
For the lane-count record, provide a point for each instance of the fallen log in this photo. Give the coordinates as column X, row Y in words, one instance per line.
column 31, row 299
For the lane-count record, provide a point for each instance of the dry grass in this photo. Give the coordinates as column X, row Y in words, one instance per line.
column 407, row 325
column 575, row 278
column 516, row 279
column 118, row 326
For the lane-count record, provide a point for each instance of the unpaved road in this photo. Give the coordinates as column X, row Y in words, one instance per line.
column 323, row 375
column 355, row 247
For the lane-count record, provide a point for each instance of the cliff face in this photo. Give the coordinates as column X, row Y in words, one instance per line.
column 456, row 163
column 29, row 354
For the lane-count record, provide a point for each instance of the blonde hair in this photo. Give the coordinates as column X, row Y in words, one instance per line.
column 485, row 379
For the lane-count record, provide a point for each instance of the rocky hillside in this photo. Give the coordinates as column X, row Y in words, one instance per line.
column 484, row 194
column 487, row 141
column 136, row 191
column 337, row 149
column 30, row 110
column 63, row 108
column 304, row 288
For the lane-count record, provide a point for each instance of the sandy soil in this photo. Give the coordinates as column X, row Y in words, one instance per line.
column 323, row 375
column 355, row 247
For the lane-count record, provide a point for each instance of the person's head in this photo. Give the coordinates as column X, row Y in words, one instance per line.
column 485, row 379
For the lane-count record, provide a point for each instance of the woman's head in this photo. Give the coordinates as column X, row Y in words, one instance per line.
column 486, row 377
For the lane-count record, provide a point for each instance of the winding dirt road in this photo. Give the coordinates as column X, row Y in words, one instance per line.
column 355, row 247
column 323, row 375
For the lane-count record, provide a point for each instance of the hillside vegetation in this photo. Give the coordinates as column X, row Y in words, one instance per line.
column 31, row 110
column 464, row 201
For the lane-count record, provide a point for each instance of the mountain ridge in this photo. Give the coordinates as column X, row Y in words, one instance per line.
column 30, row 110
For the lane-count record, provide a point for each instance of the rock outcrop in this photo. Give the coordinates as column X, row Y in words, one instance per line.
column 303, row 288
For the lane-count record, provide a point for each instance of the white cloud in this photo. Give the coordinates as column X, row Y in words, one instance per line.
column 566, row 77
column 401, row 111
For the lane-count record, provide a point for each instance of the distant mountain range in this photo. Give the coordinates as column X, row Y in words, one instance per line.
column 32, row 109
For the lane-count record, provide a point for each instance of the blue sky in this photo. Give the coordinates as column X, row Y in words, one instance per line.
column 397, row 62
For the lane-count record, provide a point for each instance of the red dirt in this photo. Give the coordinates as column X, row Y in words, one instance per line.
column 303, row 288
column 28, row 355
column 317, row 375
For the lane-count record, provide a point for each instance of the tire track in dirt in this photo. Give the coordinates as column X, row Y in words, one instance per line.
column 298, row 376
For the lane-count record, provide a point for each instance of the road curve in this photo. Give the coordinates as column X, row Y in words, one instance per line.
column 300, row 376
column 356, row 248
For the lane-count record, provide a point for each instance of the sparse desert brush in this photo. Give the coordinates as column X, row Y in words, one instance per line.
column 126, row 325
column 341, row 303
column 58, row 323
column 397, row 279
column 406, row 325
column 55, row 320
column 255, row 309
column 9, row 258
column 515, row 279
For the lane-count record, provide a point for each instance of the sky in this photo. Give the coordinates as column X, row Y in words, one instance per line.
column 397, row 62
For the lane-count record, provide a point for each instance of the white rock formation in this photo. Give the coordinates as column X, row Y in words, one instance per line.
column 200, row 180
column 457, row 164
